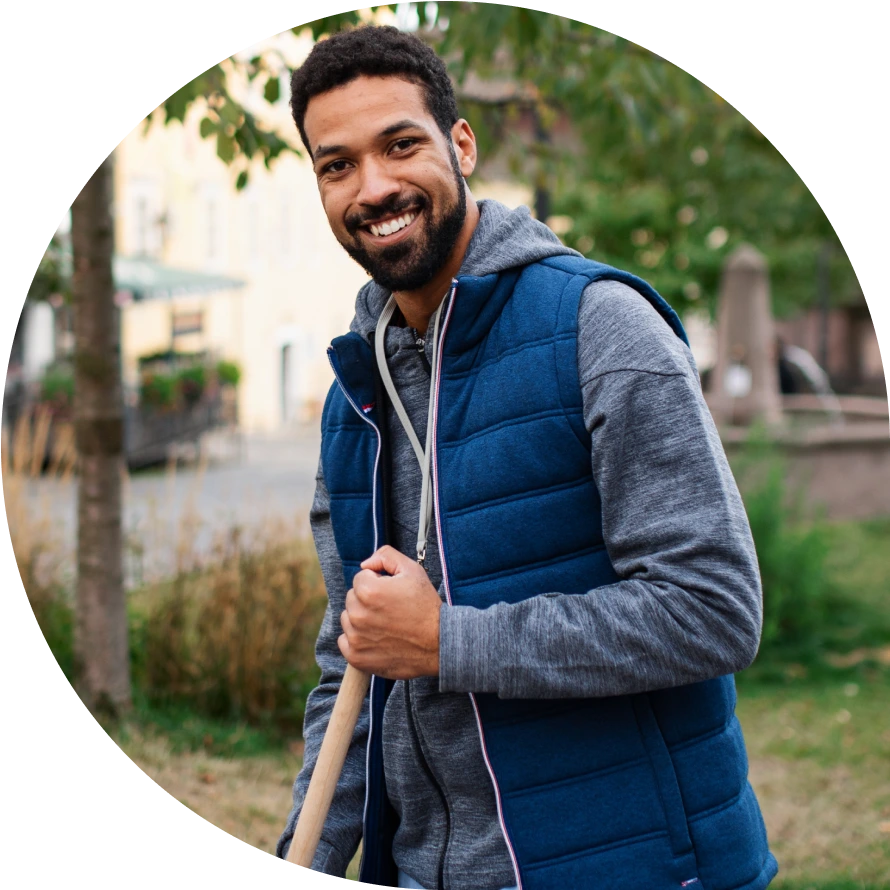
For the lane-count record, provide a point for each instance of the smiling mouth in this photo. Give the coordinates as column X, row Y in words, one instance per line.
column 386, row 229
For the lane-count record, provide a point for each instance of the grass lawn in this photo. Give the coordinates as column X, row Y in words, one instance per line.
column 816, row 721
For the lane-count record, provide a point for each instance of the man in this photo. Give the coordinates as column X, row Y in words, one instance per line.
column 527, row 527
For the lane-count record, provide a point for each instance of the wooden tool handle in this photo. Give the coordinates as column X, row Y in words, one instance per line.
column 331, row 757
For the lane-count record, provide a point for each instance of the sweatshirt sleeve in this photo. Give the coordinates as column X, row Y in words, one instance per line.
column 343, row 827
column 688, row 605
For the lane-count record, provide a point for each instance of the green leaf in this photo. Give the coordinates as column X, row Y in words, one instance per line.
column 208, row 127
column 246, row 141
column 231, row 112
column 176, row 106
column 241, row 181
column 225, row 148
column 272, row 92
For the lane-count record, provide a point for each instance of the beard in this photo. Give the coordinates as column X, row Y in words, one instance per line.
column 412, row 264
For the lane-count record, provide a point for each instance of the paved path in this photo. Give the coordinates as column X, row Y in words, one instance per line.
column 272, row 482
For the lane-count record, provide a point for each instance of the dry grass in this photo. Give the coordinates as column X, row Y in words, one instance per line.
column 249, row 797
column 824, row 822
column 820, row 766
column 226, row 626
column 35, row 539
column 233, row 633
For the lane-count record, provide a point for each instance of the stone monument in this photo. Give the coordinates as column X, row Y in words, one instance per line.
column 744, row 384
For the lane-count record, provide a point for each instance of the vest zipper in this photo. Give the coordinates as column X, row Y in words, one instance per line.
column 435, row 472
column 374, row 494
column 415, row 738
column 420, row 345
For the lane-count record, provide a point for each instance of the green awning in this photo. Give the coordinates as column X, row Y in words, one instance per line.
column 147, row 279
column 140, row 278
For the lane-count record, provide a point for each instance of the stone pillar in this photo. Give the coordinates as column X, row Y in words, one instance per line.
column 744, row 384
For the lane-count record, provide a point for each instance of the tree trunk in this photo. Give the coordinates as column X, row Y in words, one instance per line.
column 102, row 661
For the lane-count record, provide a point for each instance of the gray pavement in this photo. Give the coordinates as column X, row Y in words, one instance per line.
column 261, row 483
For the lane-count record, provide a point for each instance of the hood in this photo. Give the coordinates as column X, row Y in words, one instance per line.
column 503, row 239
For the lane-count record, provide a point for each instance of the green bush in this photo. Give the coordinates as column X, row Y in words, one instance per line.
column 228, row 373
column 55, row 618
column 158, row 390
column 57, row 388
column 798, row 592
column 191, row 383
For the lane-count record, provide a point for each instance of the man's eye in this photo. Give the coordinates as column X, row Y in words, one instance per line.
column 403, row 144
column 336, row 167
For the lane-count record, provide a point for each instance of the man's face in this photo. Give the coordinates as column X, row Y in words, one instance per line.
column 390, row 181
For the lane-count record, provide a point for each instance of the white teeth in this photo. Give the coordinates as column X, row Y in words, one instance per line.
column 394, row 225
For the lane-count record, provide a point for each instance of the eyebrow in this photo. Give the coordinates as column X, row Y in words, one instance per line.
column 325, row 151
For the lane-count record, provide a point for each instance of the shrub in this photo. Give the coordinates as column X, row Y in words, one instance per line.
column 158, row 390
column 57, row 389
column 234, row 639
column 800, row 595
column 191, row 383
column 38, row 551
column 228, row 373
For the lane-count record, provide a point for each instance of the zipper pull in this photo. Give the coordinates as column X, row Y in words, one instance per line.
column 420, row 345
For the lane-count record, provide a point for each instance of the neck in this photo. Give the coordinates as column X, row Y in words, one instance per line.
column 418, row 306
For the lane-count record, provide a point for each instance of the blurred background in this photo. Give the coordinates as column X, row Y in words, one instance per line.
column 161, row 408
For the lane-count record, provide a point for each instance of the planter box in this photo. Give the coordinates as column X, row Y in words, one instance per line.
column 149, row 434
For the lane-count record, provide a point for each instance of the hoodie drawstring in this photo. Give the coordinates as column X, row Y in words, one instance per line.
column 422, row 452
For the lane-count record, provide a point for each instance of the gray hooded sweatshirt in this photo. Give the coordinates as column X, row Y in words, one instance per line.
column 687, row 607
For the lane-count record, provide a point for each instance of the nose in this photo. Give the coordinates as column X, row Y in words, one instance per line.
column 377, row 182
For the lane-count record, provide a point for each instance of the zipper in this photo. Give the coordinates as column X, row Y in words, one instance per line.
column 420, row 346
column 358, row 410
column 415, row 738
column 435, row 469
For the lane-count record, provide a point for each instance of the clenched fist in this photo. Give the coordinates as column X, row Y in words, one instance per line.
column 391, row 621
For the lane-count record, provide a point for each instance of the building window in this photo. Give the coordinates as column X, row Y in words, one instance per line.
column 144, row 232
column 141, row 245
column 213, row 234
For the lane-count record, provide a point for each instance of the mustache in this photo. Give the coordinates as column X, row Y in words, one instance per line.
column 393, row 207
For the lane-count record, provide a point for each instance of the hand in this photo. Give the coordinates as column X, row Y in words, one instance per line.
column 391, row 622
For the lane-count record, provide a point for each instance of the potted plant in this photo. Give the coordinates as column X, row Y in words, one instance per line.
column 228, row 373
column 158, row 390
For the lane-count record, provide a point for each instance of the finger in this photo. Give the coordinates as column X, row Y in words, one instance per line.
column 343, row 645
column 346, row 624
column 366, row 580
column 388, row 559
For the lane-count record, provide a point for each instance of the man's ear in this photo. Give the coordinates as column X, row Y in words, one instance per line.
column 464, row 140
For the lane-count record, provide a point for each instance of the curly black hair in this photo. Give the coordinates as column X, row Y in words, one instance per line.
column 373, row 50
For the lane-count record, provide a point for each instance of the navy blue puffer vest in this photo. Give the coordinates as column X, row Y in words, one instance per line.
column 643, row 792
